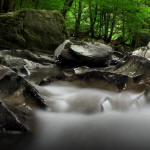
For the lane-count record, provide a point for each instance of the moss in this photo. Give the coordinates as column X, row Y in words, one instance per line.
column 40, row 30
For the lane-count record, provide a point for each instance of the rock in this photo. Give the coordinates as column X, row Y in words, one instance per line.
column 22, row 71
column 143, row 51
column 148, row 45
column 58, row 77
column 83, row 53
column 38, row 30
column 19, row 98
column 132, row 72
column 18, row 92
column 9, row 121
column 26, row 54
column 21, row 61
column 134, row 66
column 123, row 101
column 87, row 74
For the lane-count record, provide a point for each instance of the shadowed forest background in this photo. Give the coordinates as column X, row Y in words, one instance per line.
column 117, row 21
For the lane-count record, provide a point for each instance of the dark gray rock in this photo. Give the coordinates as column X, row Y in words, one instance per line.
column 72, row 53
column 87, row 74
column 9, row 121
column 18, row 92
column 133, row 66
column 24, row 61
column 21, row 70
column 18, row 97
column 31, row 56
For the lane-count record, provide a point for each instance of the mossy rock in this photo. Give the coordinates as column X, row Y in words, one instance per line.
column 36, row 30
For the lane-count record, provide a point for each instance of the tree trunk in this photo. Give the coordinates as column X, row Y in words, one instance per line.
column 123, row 26
column 106, row 20
column 36, row 4
column 101, row 24
column 112, row 27
column 78, row 19
column 6, row 6
column 1, row 5
column 67, row 5
column 21, row 2
column 93, row 17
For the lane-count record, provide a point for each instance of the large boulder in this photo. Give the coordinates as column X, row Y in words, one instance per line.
column 32, row 29
column 83, row 53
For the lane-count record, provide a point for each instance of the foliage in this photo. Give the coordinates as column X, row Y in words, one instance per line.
column 102, row 19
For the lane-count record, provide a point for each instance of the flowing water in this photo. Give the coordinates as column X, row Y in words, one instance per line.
column 88, row 119
column 91, row 119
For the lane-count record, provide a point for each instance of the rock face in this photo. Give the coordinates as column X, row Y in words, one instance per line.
column 134, row 66
column 9, row 121
column 19, row 98
column 32, row 29
column 16, row 91
column 143, row 51
column 133, row 69
column 83, row 53
column 87, row 74
column 22, row 61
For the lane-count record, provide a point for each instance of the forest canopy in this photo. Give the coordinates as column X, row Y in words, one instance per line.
column 126, row 20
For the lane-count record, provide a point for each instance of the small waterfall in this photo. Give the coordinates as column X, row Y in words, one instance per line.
column 84, row 118
column 64, row 97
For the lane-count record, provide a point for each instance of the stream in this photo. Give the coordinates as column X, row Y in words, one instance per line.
column 87, row 108
column 86, row 118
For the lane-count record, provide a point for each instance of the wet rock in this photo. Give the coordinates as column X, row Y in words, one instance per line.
column 9, row 121
column 143, row 51
column 37, row 30
column 87, row 74
column 49, row 80
column 26, row 54
column 18, row 92
column 136, row 68
column 148, row 45
column 73, row 53
column 23, row 61
column 124, row 101
column 13, row 58
column 133, row 71
column 133, row 66
column 19, row 98
column 21, row 70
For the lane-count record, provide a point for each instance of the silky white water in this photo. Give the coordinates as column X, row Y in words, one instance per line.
column 64, row 97
column 91, row 119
